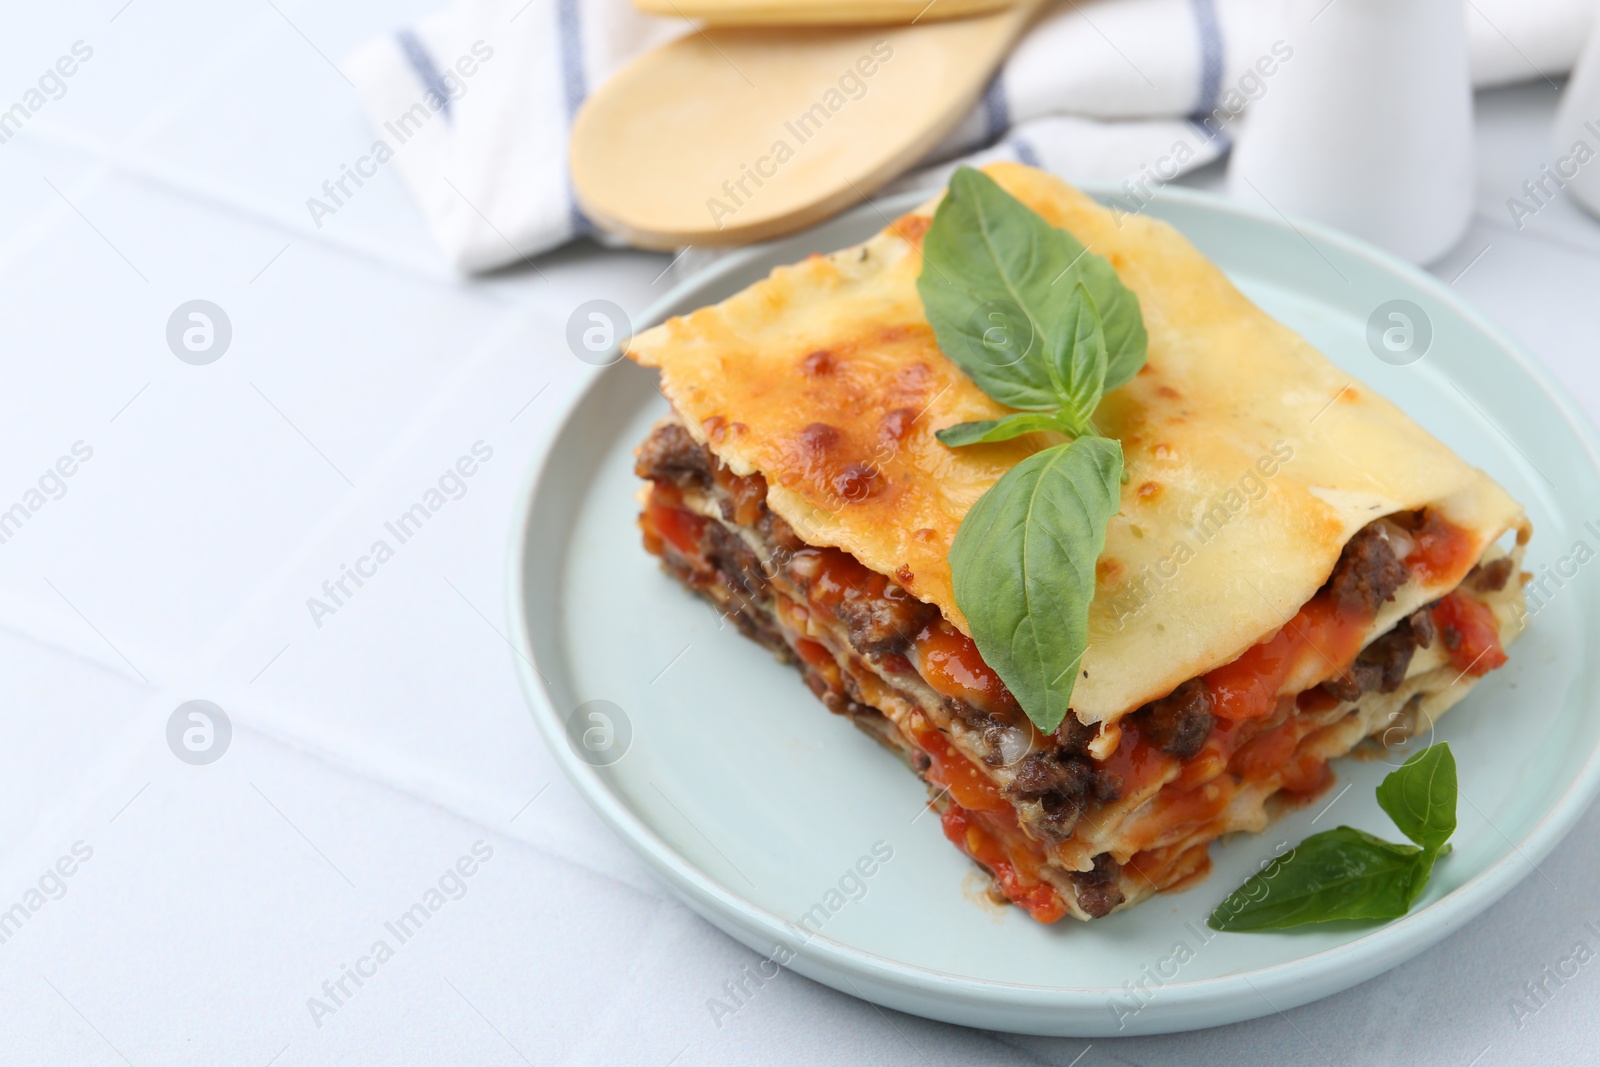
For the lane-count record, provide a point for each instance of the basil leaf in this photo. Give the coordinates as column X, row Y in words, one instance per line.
column 1347, row 874
column 1023, row 564
column 988, row 263
column 1343, row 873
column 1126, row 340
column 1421, row 796
column 1425, row 871
column 1041, row 325
column 1080, row 368
column 997, row 284
column 1002, row 429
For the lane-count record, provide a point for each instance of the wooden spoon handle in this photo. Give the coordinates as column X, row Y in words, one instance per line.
column 731, row 135
column 818, row 12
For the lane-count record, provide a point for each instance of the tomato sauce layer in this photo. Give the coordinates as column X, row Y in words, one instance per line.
column 1321, row 641
column 966, row 831
column 981, row 822
column 1442, row 552
column 1470, row 633
column 665, row 518
column 1248, row 687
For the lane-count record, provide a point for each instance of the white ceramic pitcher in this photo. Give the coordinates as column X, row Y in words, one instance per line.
column 1578, row 122
column 1369, row 127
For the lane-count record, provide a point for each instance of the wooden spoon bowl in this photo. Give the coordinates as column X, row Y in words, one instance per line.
column 817, row 12
column 732, row 135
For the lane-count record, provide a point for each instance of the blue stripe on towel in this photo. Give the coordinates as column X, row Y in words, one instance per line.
column 423, row 66
column 1025, row 152
column 1197, row 123
column 996, row 110
column 576, row 89
column 1210, row 32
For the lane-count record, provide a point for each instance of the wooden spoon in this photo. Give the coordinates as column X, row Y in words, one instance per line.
column 728, row 135
column 817, row 12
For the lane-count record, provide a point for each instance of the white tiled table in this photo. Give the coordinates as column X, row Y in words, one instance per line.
column 374, row 751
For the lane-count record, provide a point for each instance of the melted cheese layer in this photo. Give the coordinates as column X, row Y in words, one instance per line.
column 1252, row 459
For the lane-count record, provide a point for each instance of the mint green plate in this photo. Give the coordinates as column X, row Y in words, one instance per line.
column 760, row 809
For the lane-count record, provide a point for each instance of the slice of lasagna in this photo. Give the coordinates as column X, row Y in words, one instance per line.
column 1296, row 565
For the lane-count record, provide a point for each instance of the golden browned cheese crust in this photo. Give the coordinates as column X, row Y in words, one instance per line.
column 1251, row 458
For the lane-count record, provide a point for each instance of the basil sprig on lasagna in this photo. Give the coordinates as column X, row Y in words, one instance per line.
column 1043, row 325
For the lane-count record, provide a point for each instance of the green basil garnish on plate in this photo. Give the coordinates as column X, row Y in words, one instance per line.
column 1346, row 873
column 1045, row 326
column 1421, row 797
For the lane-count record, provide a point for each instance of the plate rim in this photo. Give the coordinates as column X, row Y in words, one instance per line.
column 821, row 957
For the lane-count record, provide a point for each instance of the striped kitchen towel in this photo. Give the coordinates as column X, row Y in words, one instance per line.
column 474, row 102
